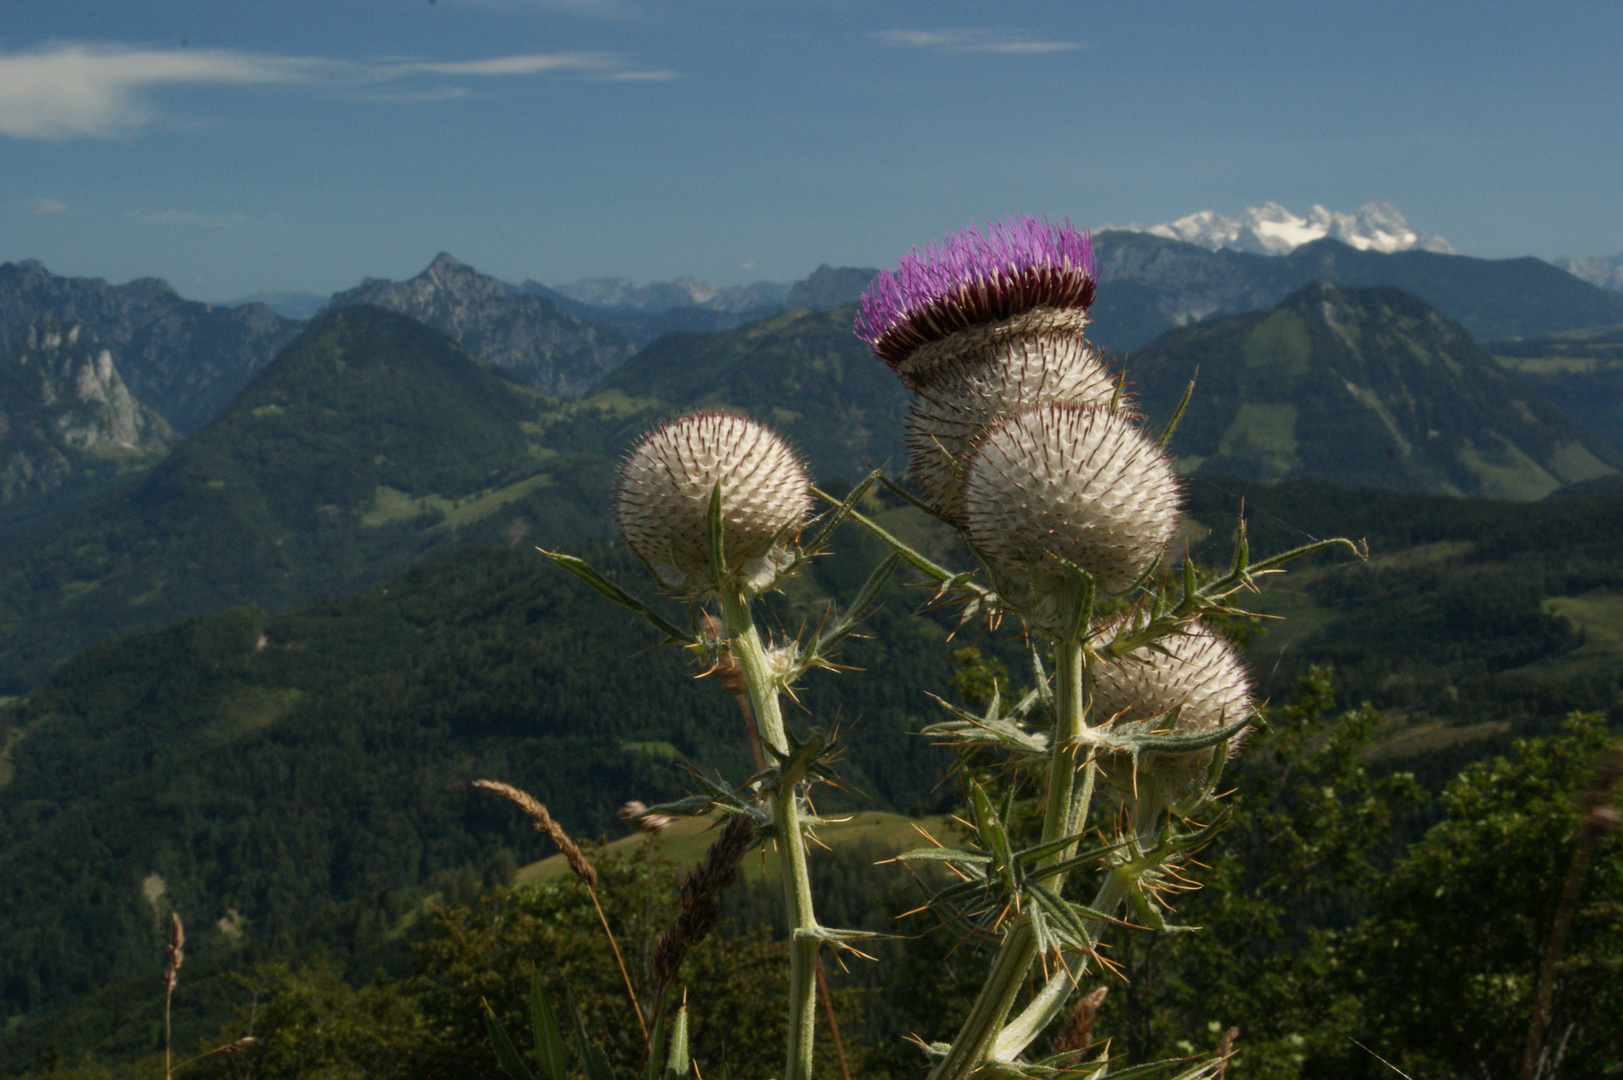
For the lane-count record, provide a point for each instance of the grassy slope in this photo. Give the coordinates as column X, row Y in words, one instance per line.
column 1363, row 387
column 1582, row 372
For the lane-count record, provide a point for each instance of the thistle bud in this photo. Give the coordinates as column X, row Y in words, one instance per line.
column 1014, row 372
column 664, row 500
column 1198, row 675
column 1074, row 481
column 953, row 300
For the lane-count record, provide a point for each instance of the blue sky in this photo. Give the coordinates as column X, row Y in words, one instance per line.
column 304, row 145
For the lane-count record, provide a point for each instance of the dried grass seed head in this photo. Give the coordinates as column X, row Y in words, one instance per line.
column 174, row 952
column 1202, row 677
column 1075, row 481
column 545, row 825
column 663, row 499
column 952, row 415
column 971, row 278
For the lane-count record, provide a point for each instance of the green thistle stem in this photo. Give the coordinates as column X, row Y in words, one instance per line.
column 1049, row 1002
column 745, row 643
column 978, row 1037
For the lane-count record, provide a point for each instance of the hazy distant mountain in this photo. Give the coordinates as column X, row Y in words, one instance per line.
column 1270, row 229
column 185, row 359
column 65, row 415
column 660, row 296
column 528, row 337
column 829, row 287
column 1365, row 388
column 289, row 305
column 640, row 312
column 1149, row 284
column 1605, row 271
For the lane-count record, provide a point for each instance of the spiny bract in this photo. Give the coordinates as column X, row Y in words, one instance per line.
column 663, row 500
column 1075, row 481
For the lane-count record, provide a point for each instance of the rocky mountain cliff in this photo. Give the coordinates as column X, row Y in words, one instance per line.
column 1364, row 388
column 528, row 337
column 185, row 359
column 66, row 416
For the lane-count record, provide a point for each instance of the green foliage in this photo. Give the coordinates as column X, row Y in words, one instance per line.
column 310, row 772
column 1456, row 616
column 1469, row 910
column 1325, row 951
column 496, row 955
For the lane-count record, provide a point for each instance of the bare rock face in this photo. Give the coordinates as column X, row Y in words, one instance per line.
column 183, row 358
column 66, row 414
column 528, row 337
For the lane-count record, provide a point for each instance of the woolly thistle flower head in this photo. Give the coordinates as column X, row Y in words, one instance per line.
column 951, row 416
column 1075, row 481
column 663, row 500
column 1021, row 270
column 1200, row 676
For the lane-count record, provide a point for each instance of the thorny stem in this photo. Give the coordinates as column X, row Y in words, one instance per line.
column 978, row 1038
column 1023, row 1030
column 744, row 641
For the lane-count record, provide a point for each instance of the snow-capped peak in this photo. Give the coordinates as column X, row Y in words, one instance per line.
column 1270, row 229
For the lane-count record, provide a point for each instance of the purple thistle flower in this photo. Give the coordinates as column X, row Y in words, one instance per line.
column 972, row 277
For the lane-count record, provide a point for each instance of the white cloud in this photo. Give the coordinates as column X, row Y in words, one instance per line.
column 978, row 41
column 641, row 76
column 71, row 90
column 48, row 206
column 188, row 217
column 533, row 64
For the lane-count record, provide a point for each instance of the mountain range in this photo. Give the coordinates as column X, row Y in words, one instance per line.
column 1364, row 388
column 1270, row 229
column 528, row 337
column 374, row 440
column 185, row 359
column 250, row 686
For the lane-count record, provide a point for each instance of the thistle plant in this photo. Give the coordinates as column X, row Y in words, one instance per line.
column 1071, row 505
column 1025, row 442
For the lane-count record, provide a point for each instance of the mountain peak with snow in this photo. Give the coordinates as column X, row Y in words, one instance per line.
column 1271, row 229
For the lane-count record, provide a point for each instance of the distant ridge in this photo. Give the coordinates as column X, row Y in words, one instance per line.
column 1363, row 388
column 1149, row 284
column 185, row 359
column 528, row 337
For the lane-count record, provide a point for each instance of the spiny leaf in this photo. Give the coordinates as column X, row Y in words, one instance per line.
column 842, row 509
column 583, row 570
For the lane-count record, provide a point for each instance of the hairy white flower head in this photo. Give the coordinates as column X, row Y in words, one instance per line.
column 1074, row 481
column 1198, row 675
column 951, row 415
column 663, row 501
